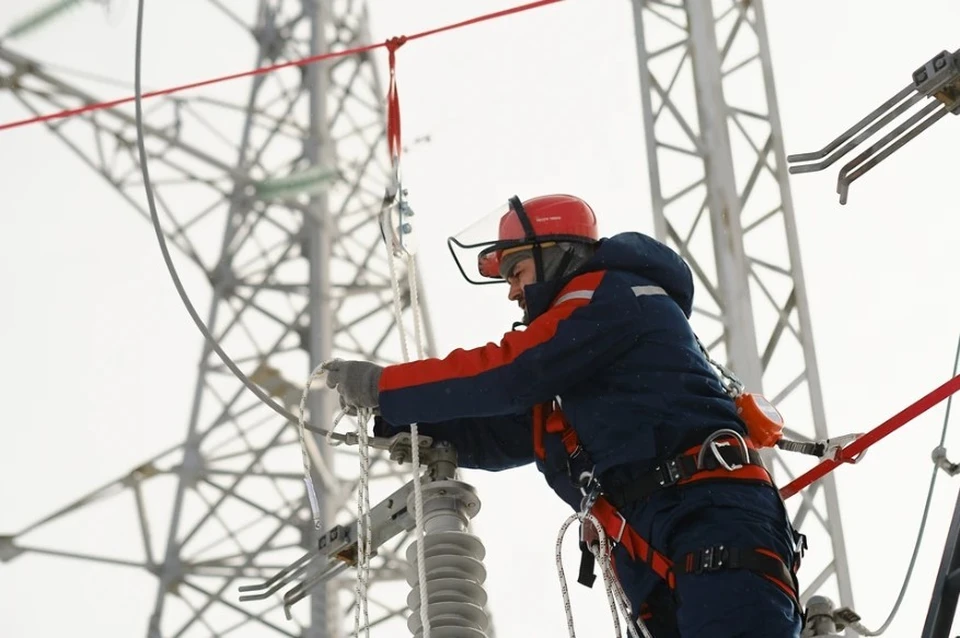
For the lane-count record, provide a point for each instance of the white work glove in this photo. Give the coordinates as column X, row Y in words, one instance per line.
column 358, row 383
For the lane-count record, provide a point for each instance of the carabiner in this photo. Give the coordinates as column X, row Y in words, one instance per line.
column 591, row 492
column 835, row 446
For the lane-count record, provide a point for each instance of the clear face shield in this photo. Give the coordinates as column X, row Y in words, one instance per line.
column 479, row 248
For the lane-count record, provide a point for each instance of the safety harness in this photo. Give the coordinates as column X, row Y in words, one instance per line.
column 725, row 455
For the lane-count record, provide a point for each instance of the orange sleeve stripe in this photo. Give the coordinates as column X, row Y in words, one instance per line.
column 461, row 364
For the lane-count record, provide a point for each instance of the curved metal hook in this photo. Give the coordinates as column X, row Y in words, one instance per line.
column 711, row 443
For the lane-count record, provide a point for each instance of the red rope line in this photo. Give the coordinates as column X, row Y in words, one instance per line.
column 283, row 65
column 850, row 453
column 393, row 101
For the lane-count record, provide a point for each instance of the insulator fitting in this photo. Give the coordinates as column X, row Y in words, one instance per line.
column 456, row 600
column 819, row 618
column 824, row 621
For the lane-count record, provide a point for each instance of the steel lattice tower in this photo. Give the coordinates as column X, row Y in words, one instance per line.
column 272, row 189
column 721, row 197
column 298, row 274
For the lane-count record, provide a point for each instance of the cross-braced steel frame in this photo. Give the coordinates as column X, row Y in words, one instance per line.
column 295, row 277
column 721, row 197
column 297, row 271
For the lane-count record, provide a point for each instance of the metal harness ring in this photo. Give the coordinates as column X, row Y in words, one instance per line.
column 712, row 444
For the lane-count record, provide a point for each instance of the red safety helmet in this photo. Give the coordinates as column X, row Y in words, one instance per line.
column 536, row 222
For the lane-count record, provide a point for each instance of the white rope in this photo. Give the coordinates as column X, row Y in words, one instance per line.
column 397, row 310
column 414, row 434
column 567, row 609
column 415, row 304
column 365, row 534
column 364, row 531
column 616, row 597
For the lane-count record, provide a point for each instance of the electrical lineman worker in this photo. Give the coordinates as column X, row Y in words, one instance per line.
column 609, row 392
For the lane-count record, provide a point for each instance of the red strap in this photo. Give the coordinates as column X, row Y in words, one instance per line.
column 393, row 100
column 274, row 67
column 556, row 423
column 787, row 588
column 547, row 419
column 539, row 426
column 852, row 451
column 615, row 526
column 748, row 472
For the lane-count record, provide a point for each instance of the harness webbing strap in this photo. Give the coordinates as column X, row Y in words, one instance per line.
column 681, row 470
column 617, row 529
column 684, row 469
column 762, row 561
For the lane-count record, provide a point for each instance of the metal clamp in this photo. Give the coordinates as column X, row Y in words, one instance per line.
column 940, row 459
column 395, row 214
column 336, row 549
column 833, row 447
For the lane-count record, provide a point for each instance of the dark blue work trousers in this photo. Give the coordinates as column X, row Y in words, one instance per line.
column 725, row 603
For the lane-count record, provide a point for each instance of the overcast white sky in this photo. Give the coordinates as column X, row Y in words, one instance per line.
column 99, row 355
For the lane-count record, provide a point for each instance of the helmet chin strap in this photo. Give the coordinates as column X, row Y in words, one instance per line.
column 564, row 263
column 538, row 262
column 531, row 235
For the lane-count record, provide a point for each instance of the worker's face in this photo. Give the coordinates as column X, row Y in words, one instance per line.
column 523, row 274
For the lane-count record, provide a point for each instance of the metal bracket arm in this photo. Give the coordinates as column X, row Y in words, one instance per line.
column 939, row 78
column 337, row 548
column 336, row 551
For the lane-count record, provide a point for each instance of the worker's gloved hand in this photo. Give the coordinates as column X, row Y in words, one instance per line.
column 358, row 383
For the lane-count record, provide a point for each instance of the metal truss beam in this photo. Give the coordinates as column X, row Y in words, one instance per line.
column 296, row 274
column 721, row 197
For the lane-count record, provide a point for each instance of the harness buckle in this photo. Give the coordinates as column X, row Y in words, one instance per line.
column 711, row 559
column 800, row 544
column 584, row 479
column 623, row 527
column 580, row 470
column 669, row 472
